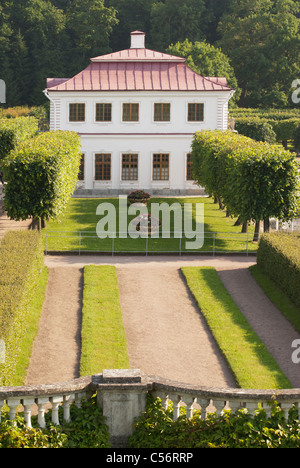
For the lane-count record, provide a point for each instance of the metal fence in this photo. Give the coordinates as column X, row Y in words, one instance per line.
column 87, row 242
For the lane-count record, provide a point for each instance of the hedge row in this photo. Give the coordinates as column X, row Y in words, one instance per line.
column 255, row 180
column 21, row 262
column 278, row 257
column 267, row 125
column 14, row 131
column 41, row 175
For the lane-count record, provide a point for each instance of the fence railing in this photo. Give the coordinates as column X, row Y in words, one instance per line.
column 81, row 242
column 122, row 396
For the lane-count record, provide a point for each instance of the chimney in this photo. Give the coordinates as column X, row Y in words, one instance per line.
column 137, row 40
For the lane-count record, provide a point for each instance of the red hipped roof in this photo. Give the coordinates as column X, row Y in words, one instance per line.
column 138, row 69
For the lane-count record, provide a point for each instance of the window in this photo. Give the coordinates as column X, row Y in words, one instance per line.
column 103, row 112
column 77, row 112
column 102, row 166
column 130, row 112
column 81, row 169
column 162, row 112
column 195, row 112
column 160, row 167
column 129, row 167
column 189, row 167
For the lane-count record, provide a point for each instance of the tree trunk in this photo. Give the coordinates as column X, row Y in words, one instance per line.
column 256, row 231
column 36, row 224
column 221, row 206
column 267, row 225
column 245, row 227
column 238, row 222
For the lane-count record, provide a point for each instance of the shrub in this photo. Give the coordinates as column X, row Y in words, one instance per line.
column 278, row 256
column 41, row 175
column 255, row 128
column 21, row 262
column 155, row 428
column 87, row 429
column 296, row 137
column 14, row 131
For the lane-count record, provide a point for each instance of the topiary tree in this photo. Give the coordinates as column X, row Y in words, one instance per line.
column 41, row 176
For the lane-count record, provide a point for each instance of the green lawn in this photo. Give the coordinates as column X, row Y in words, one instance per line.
column 76, row 230
column 248, row 358
column 103, row 337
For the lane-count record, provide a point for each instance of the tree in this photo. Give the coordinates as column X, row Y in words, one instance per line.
column 206, row 60
column 174, row 20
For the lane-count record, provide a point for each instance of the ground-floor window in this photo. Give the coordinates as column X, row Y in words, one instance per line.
column 129, row 167
column 103, row 166
column 160, row 166
column 189, row 167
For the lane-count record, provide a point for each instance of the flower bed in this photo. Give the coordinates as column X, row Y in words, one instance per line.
column 146, row 223
column 139, row 196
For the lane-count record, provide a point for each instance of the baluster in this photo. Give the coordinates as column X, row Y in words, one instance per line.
column 189, row 401
column 41, row 402
column 203, row 403
column 78, row 398
column 219, row 405
column 13, row 404
column 252, row 407
column 176, row 407
column 235, row 405
column 286, row 406
column 55, row 402
column 67, row 403
column 27, row 404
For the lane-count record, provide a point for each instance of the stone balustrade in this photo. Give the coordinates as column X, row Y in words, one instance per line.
column 122, row 397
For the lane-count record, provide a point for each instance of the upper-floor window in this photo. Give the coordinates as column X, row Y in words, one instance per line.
column 162, row 112
column 196, row 112
column 103, row 112
column 77, row 112
column 130, row 112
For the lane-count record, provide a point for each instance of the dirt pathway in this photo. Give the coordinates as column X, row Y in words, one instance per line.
column 166, row 334
column 265, row 318
column 56, row 350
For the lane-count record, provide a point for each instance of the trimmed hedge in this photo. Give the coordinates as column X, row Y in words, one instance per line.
column 41, row 175
column 278, row 256
column 255, row 180
column 21, row 263
column 14, row 131
column 256, row 128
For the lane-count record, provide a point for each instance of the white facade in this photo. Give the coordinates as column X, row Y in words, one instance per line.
column 145, row 138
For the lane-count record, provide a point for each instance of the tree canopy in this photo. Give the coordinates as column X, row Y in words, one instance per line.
column 255, row 42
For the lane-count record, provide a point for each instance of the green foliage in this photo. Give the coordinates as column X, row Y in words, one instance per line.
column 206, row 60
column 255, row 180
column 156, row 429
column 41, row 175
column 255, row 128
column 87, row 429
column 278, row 256
column 296, row 138
column 21, row 263
column 248, row 358
column 14, row 131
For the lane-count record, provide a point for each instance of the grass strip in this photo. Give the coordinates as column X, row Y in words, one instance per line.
column 103, row 336
column 247, row 356
column 34, row 315
column 277, row 296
